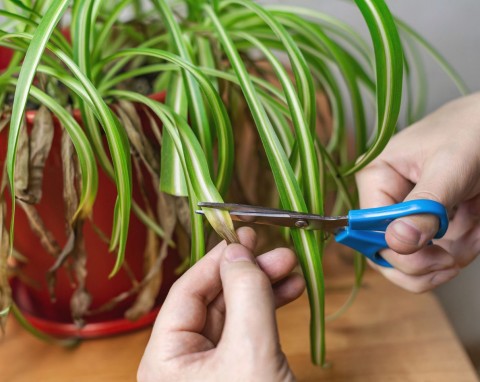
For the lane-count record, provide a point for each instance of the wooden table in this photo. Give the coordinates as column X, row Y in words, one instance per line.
column 388, row 335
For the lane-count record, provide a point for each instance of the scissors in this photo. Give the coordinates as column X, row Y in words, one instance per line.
column 362, row 230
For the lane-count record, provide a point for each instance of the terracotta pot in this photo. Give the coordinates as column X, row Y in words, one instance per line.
column 31, row 292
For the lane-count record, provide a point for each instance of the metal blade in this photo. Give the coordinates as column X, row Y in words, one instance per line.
column 272, row 216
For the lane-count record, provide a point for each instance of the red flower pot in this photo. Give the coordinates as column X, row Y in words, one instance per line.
column 5, row 57
column 31, row 291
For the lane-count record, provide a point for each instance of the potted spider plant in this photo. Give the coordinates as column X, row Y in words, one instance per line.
column 236, row 115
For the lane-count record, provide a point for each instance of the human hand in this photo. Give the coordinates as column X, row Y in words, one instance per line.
column 218, row 320
column 436, row 158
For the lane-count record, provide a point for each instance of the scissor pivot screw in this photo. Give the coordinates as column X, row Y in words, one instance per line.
column 301, row 224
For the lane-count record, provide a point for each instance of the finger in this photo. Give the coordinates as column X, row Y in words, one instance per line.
column 276, row 264
column 250, row 310
column 288, row 289
column 409, row 234
column 284, row 292
column 417, row 284
column 186, row 304
column 428, row 259
column 464, row 248
column 379, row 184
column 465, row 218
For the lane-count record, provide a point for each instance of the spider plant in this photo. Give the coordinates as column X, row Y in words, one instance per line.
column 222, row 63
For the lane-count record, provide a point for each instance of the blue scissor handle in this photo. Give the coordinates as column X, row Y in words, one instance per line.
column 366, row 228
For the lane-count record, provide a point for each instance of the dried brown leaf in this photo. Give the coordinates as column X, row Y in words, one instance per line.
column 153, row 258
column 39, row 229
column 148, row 293
column 183, row 214
column 183, row 242
column 66, row 252
column 41, row 139
column 69, row 169
column 167, row 213
column 152, row 121
column 22, row 163
column 70, row 200
column 133, row 126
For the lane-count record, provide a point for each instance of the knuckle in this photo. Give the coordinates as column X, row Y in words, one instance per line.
column 176, row 287
column 426, row 195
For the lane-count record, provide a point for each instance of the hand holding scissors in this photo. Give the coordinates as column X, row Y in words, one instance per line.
column 362, row 230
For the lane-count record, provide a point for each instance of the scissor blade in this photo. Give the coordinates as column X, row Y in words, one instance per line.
column 271, row 216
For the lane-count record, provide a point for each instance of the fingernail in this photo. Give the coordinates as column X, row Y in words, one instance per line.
column 237, row 252
column 442, row 277
column 406, row 232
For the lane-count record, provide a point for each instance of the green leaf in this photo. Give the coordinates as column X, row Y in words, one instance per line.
column 196, row 105
column 306, row 89
column 315, row 37
column 389, row 72
column 172, row 178
column 289, row 191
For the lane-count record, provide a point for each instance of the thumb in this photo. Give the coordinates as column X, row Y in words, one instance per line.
column 438, row 181
column 250, row 309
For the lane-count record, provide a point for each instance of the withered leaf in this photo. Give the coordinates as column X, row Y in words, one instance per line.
column 133, row 126
column 69, row 169
column 154, row 125
column 146, row 297
column 41, row 139
column 167, row 213
column 70, row 200
column 22, row 163
column 183, row 242
column 39, row 228
column 66, row 252
column 153, row 259
column 183, row 214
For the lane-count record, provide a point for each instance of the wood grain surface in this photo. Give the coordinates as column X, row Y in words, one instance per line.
column 388, row 335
